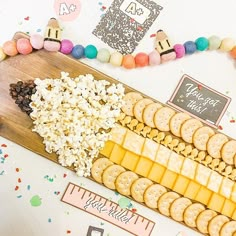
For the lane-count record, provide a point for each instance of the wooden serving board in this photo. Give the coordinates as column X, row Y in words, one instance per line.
column 16, row 125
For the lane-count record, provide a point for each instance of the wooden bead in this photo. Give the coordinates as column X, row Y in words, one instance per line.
column 141, row 59
column 154, row 58
column 116, row 59
column 37, row 41
column 9, row 48
column 227, row 44
column 103, row 55
column 128, row 62
column 23, row 46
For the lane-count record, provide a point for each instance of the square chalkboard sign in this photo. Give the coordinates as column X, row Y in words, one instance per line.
column 199, row 101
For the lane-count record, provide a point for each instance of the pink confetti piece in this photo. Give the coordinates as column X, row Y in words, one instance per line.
column 17, row 169
column 16, row 188
column 56, row 192
column 68, row 231
column 104, row 8
column 232, row 121
column 6, row 155
column 19, row 180
column 220, row 127
column 199, row 87
column 152, row 35
column 132, row 20
column 139, row 28
column 3, row 145
column 27, row 18
column 64, row 175
column 134, row 210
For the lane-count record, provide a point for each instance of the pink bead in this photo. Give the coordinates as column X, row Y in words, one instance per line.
column 66, row 46
column 37, row 41
column 51, row 46
column 154, row 58
column 23, row 46
column 179, row 50
column 141, row 59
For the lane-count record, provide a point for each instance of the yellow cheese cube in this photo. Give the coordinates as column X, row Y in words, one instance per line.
column 202, row 174
column 233, row 194
column 175, row 162
column 107, row 149
column 203, row 195
column 192, row 190
column 133, row 142
column 216, row 202
column 234, row 215
column 189, row 168
column 169, row 179
column 214, row 181
column 156, row 172
column 150, row 149
column 163, row 155
column 130, row 160
column 143, row 167
column 118, row 134
column 117, row 154
column 181, row 184
column 226, row 187
column 228, row 208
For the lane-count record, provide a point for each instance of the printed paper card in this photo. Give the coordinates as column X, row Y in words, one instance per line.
column 126, row 22
column 200, row 101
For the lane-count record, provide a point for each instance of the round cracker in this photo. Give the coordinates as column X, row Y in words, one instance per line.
column 139, row 107
column 216, row 224
column 129, row 100
column 152, row 194
column 148, row 113
column 138, row 188
column 215, row 143
column 165, row 201
column 228, row 152
column 176, row 122
column 124, row 181
column 162, row 118
column 228, row 228
column 188, row 128
column 178, row 207
column 203, row 220
column 201, row 137
column 98, row 167
column 191, row 213
column 110, row 174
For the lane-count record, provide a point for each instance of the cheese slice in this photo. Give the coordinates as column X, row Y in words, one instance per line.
column 216, row 202
column 202, row 174
column 107, row 149
column 163, row 155
column 203, row 195
column 143, row 167
column 228, row 208
column 226, row 187
column 181, row 184
column 117, row 154
column 130, row 160
column 156, row 172
column 189, row 168
column 192, row 190
column 214, row 182
column 175, row 162
column 150, row 149
column 169, row 179
column 118, row 134
column 233, row 194
column 133, row 142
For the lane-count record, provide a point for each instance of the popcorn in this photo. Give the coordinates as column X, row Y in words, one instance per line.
column 74, row 117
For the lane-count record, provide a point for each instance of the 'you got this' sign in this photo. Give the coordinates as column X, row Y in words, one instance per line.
column 199, row 100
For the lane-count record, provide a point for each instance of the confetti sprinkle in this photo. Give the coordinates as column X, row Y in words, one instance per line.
column 2, row 160
column 28, row 187
column 48, row 178
column 38, row 30
column 49, row 220
column 27, row 18
column 35, row 201
column 68, row 231
column 27, row 32
column 139, row 28
column 19, row 196
column 2, row 172
column 100, row 3
column 232, row 121
column 65, row 175
column 3, row 145
column 17, row 169
column 104, row 8
column 19, row 180
column 116, row 193
column 220, row 127
column 56, row 192
column 132, row 20
column 152, row 35
column 6, row 155
column 199, row 87
column 134, row 210
column 16, row 188
column 101, row 223
column 0, row 151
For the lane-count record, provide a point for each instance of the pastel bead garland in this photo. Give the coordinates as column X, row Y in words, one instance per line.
column 163, row 53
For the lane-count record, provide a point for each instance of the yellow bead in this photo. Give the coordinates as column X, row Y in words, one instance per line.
column 2, row 54
column 227, row 44
column 116, row 59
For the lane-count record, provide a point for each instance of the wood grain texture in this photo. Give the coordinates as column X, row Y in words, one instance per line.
column 16, row 125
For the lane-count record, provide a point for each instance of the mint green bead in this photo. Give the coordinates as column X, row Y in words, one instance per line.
column 202, row 44
column 214, row 42
column 103, row 55
column 90, row 51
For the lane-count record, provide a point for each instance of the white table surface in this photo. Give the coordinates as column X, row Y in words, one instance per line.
column 182, row 20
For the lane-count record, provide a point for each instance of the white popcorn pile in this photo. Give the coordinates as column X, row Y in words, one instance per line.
column 74, row 117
